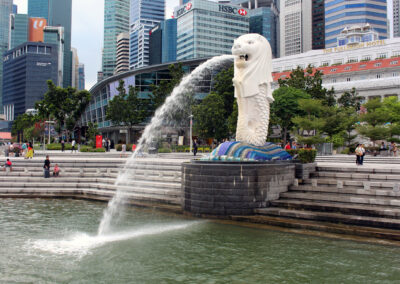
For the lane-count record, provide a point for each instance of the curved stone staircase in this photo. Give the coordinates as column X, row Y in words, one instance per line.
column 151, row 182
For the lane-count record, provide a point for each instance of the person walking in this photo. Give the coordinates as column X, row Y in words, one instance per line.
column 123, row 150
column 24, row 149
column 29, row 154
column 360, row 151
column 73, row 146
column 46, row 167
column 287, row 146
column 107, row 144
column 394, row 149
column 62, row 145
column 195, row 147
column 362, row 154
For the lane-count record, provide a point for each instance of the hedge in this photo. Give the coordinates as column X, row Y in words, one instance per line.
column 118, row 147
column 304, row 155
column 90, row 149
column 57, row 146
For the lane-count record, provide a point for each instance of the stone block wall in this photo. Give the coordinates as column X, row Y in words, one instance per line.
column 224, row 189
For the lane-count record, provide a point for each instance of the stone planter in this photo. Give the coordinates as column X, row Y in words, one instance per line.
column 303, row 171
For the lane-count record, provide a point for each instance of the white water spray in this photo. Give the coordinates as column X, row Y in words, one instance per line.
column 175, row 103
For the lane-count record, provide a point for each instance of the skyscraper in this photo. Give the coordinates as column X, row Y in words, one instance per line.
column 396, row 18
column 122, row 53
column 81, row 83
column 344, row 14
column 116, row 21
column 318, row 24
column 162, row 42
column 18, row 30
column 295, row 26
column 57, row 13
column 144, row 15
column 6, row 8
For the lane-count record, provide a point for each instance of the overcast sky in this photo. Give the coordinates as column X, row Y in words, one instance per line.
column 87, row 32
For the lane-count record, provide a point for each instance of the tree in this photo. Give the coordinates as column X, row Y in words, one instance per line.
column 91, row 132
column 210, row 118
column 285, row 107
column 350, row 118
column 223, row 87
column 310, row 126
column 23, row 122
column 374, row 121
column 350, row 99
column 65, row 105
column 127, row 108
column 165, row 87
column 310, row 81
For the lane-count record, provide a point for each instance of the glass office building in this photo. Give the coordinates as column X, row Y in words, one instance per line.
column 265, row 21
column 207, row 29
column 33, row 63
column 116, row 21
column 162, row 47
column 18, row 30
column 341, row 14
column 58, row 13
column 144, row 16
column 6, row 8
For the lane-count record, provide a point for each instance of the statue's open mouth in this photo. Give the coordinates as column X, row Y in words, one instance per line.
column 244, row 57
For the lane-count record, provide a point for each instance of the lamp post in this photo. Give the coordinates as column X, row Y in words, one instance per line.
column 190, row 133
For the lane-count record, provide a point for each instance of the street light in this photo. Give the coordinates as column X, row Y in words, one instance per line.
column 191, row 140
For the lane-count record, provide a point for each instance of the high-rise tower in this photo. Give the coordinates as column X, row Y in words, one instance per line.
column 396, row 18
column 6, row 8
column 144, row 15
column 57, row 13
column 116, row 21
column 346, row 14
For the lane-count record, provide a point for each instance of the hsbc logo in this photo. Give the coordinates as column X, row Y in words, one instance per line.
column 188, row 6
column 232, row 10
column 183, row 9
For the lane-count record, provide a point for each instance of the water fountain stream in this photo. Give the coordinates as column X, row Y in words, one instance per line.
column 174, row 103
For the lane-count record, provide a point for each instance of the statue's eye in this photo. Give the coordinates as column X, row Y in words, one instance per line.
column 250, row 42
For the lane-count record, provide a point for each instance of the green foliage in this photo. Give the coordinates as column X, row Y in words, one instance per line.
column 24, row 122
column 310, row 81
column 223, row 87
column 91, row 149
column 285, row 107
column 164, row 150
column 65, row 105
column 57, row 146
column 232, row 119
column 127, row 109
column 91, row 132
column 304, row 155
column 118, row 147
column 209, row 118
column 350, row 100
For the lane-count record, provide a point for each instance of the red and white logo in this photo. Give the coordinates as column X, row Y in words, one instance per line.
column 189, row 6
column 242, row 12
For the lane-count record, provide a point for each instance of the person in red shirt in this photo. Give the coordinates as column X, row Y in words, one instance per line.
column 287, row 146
column 8, row 164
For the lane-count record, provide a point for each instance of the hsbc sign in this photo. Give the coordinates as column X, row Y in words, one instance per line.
column 232, row 10
column 184, row 9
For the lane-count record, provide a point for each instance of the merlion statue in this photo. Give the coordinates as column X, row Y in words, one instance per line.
column 252, row 82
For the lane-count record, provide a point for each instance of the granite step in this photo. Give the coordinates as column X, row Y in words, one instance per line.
column 388, row 170
column 346, row 190
column 339, row 207
column 357, row 176
column 352, row 183
column 345, row 198
column 390, row 223
column 318, row 226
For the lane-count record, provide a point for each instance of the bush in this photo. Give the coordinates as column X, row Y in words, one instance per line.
column 304, row 155
column 118, row 147
column 57, row 146
column 345, row 151
column 90, row 149
column 164, row 150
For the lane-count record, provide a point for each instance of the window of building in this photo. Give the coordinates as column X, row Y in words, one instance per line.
column 333, row 69
column 338, row 61
column 366, row 58
column 334, row 80
column 381, row 55
column 352, row 60
column 394, row 62
column 396, row 53
column 348, row 79
column 324, row 63
column 378, row 76
column 378, row 64
column 395, row 74
column 347, row 68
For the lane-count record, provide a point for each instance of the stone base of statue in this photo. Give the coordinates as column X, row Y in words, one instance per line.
column 241, row 151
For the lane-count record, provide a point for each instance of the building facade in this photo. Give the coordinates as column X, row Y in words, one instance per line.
column 58, row 13
column 81, row 80
column 318, row 24
column 122, row 53
column 207, row 29
column 144, row 15
column 342, row 14
column 18, row 33
column 116, row 21
column 373, row 68
column 162, row 42
column 295, row 26
column 75, row 68
column 33, row 63
column 6, row 9
column 396, row 18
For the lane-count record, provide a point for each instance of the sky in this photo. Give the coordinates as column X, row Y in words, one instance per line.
column 87, row 32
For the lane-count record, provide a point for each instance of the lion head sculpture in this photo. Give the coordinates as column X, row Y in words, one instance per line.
column 253, row 62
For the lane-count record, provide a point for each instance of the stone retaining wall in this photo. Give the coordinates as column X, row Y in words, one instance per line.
column 223, row 189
